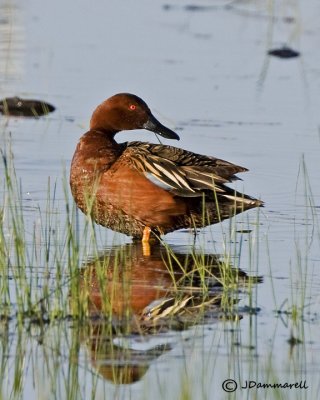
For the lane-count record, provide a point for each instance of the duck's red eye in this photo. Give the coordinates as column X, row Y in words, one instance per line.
column 132, row 106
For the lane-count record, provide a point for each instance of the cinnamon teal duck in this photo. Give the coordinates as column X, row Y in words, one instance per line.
column 137, row 187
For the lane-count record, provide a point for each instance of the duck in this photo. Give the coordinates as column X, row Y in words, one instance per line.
column 144, row 189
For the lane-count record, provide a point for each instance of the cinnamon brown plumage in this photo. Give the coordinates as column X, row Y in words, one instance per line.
column 133, row 185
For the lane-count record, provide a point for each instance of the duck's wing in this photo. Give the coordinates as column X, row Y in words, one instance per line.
column 180, row 171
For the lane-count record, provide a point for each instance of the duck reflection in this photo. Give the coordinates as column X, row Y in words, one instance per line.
column 128, row 293
column 113, row 357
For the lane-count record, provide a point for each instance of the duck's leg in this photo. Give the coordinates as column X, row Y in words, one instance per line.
column 146, row 234
column 145, row 241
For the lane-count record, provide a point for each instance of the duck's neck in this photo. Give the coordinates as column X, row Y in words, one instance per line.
column 97, row 150
column 105, row 132
column 98, row 139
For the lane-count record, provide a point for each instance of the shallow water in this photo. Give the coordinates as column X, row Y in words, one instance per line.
column 204, row 70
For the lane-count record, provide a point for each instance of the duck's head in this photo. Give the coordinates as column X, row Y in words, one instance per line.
column 125, row 111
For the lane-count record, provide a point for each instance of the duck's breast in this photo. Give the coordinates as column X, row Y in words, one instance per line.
column 128, row 189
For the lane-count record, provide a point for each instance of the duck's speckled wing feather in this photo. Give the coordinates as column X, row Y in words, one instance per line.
column 182, row 172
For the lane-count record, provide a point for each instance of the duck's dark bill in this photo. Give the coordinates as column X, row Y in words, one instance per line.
column 154, row 125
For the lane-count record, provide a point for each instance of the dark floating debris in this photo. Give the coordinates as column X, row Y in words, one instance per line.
column 196, row 7
column 15, row 106
column 190, row 7
column 284, row 52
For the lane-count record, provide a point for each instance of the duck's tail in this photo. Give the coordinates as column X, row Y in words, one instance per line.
column 241, row 199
